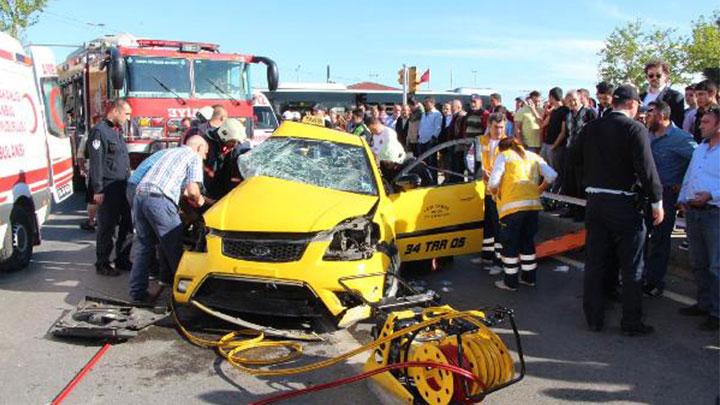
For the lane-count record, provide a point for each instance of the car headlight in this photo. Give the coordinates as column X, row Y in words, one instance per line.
column 352, row 239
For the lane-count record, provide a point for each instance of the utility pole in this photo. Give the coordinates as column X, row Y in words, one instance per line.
column 404, row 83
column 451, row 81
column 474, row 72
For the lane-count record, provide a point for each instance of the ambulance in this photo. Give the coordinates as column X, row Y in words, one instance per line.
column 36, row 167
column 265, row 121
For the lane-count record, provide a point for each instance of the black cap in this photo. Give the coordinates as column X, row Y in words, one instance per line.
column 625, row 92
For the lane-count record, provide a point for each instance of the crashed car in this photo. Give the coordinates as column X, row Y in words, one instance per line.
column 314, row 225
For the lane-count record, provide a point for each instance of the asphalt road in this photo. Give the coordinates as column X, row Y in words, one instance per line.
column 565, row 362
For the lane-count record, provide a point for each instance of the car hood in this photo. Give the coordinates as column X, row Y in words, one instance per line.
column 266, row 204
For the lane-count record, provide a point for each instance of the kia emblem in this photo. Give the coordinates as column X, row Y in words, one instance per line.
column 260, row 251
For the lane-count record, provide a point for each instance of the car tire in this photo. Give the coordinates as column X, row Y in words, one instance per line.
column 18, row 243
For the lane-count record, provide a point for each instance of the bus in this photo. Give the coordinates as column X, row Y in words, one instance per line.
column 302, row 97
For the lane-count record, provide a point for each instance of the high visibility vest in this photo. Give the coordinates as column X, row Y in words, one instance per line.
column 518, row 189
column 487, row 155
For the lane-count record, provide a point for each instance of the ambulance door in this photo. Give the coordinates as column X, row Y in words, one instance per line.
column 436, row 220
column 53, row 113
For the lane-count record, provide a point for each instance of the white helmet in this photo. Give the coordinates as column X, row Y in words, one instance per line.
column 232, row 130
column 204, row 114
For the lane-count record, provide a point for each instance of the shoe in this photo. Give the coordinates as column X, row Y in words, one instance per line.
column 124, row 265
column 527, row 283
column 652, row 291
column 478, row 260
column 710, row 324
column 107, row 270
column 684, row 246
column 495, row 270
column 154, row 292
column 692, row 310
column 638, row 330
column 501, row 285
column 87, row 226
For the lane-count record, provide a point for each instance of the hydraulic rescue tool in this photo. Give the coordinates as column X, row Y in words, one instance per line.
column 422, row 352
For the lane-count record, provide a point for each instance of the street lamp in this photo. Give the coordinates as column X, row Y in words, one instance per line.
column 297, row 73
column 474, row 72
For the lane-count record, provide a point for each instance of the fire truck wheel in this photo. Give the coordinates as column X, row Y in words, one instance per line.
column 18, row 244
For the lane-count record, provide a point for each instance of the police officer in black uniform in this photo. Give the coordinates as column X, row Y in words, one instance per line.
column 619, row 175
column 109, row 171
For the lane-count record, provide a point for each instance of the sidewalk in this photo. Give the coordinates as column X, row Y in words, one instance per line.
column 552, row 226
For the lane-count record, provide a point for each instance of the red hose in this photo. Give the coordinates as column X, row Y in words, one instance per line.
column 349, row 380
column 79, row 376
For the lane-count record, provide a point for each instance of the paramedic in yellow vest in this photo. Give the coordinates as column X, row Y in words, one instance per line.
column 517, row 179
column 487, row 146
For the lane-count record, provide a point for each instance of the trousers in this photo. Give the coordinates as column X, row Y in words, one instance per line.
column 113, row 216
column 616, row 227
column 157, row 229
column 517, row 236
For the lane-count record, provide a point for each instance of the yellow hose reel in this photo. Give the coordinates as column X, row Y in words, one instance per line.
column 465, row 342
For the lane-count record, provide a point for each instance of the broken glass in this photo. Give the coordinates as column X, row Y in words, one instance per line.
column 315, row 162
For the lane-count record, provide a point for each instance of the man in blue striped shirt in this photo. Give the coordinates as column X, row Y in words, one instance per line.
column 178, row 172
column 140, row 172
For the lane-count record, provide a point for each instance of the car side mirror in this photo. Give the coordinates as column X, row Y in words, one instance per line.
column 408, row 181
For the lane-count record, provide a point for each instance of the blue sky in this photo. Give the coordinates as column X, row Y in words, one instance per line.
column 512, row 46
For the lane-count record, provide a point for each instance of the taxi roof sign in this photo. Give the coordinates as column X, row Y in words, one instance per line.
column 313, row 120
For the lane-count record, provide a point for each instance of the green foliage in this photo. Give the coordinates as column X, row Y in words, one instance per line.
column 17, row 15
column 703, row 51
column 628, row 48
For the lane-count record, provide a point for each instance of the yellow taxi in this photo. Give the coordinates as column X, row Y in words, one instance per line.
column 314, row 219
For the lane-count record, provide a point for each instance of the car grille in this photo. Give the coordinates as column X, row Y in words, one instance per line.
column 258, row 297
column 265, row 247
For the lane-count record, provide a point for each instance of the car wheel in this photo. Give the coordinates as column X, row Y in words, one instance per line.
column 18, row 244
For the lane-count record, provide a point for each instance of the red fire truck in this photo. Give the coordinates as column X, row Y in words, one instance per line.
column 164, row 82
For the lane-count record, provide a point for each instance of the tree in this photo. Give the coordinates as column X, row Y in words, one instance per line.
column 703, row 50
column 17, row 15
column 628, row 48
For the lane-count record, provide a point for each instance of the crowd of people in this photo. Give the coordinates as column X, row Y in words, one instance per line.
column 634, row 157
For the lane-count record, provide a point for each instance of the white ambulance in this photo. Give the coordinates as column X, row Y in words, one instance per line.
column 265, row 120
column 35, row 154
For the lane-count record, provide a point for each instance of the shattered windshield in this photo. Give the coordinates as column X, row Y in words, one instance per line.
column 319, row 163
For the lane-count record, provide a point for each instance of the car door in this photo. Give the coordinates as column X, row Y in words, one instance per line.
column 439, row 220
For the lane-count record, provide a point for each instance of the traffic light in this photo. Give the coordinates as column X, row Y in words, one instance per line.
column 412, row 79
column 401, row 76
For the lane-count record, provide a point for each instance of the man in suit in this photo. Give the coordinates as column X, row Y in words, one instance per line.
column 657, row 73
column 402, row 124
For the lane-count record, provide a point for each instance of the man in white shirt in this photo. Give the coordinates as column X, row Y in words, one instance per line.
column 429, row 131
column 385, row 144
column 700, row 199
column 391, row 120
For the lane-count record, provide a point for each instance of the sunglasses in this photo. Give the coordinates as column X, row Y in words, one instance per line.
column 654, row 76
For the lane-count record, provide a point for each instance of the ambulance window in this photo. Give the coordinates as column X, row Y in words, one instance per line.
column 264, row 118
column 54, row 110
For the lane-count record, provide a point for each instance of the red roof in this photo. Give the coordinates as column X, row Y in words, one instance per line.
column 370, row 86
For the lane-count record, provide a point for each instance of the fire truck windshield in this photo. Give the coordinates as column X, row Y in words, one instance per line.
column 146, row 75
column 221, row 79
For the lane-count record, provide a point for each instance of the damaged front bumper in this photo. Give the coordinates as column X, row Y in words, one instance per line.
column 306, row 286
column 102, row 318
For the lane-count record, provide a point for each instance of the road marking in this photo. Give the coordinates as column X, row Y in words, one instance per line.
column 679, row 298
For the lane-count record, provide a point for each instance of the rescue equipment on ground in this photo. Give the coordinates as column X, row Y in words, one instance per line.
column 422, row 352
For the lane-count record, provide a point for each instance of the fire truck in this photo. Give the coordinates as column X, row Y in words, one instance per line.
column 164, row 82
column 35, row 153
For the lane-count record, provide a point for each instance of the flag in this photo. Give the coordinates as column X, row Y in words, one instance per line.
column 425, row 77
